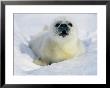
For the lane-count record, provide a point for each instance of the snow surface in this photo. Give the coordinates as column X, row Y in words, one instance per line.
column 28, row 25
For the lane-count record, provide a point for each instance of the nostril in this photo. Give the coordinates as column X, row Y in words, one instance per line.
column 64, row 32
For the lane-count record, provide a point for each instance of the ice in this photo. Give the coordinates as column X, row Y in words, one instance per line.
column 28, row 25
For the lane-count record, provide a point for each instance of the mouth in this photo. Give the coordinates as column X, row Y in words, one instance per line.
column 64, row 34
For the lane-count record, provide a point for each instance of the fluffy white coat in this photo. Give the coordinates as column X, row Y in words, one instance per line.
column 51, row 48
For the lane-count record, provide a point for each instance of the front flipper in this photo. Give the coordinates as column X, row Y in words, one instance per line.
column 41, row 62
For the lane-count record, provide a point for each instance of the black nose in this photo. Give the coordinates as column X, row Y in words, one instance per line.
column 64, row 32
column 63, row 28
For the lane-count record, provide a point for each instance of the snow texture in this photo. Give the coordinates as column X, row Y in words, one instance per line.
column 28, row 25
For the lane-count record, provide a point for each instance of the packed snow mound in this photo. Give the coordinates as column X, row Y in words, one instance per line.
column 28, row 25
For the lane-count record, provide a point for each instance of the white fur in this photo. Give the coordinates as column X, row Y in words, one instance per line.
column 50, row 47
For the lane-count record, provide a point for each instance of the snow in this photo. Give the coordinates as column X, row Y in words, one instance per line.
column 28, row 25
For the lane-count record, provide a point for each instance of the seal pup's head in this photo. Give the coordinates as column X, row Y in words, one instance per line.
column 62, row 27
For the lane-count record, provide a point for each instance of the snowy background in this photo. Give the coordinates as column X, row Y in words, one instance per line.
column 27, row 25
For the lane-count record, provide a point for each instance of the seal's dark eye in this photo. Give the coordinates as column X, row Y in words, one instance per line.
column 57, row 24
column 70, row 24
